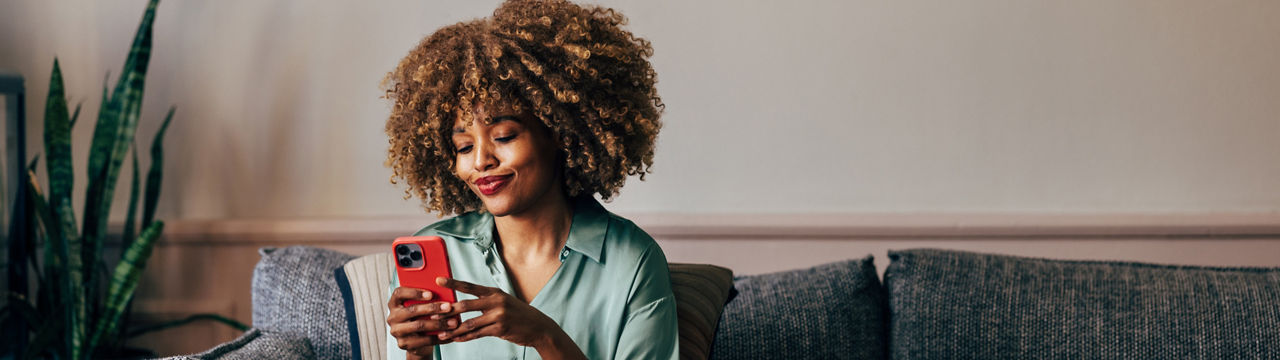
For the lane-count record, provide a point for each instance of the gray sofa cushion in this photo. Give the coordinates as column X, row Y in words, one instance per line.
column 254, row 345
column 831, row 311
column 950, row 303
column 294, row 293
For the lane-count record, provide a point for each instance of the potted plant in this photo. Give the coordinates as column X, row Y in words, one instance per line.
column 79, row 309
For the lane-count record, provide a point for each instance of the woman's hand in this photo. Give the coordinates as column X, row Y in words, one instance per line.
column 410, row 324
column 508, row 318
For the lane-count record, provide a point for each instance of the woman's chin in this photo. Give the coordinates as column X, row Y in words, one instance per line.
column 498, row 207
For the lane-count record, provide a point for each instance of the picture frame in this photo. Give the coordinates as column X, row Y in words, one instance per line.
column 14, row 210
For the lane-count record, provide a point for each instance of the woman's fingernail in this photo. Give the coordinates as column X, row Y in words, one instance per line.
column 426, row 294
column 453, row 323
column 445, row 307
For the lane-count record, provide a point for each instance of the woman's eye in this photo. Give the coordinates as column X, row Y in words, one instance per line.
column 464, row 149
column 505, row 138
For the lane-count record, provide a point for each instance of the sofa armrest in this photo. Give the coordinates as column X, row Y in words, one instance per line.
column 256, row 344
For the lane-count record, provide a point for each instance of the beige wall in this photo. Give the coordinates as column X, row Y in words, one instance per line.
column 773, row 107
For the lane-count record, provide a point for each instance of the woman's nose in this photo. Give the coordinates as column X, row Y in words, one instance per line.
column 484, row 159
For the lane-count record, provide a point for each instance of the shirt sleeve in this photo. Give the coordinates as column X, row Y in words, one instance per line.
column 650, row 331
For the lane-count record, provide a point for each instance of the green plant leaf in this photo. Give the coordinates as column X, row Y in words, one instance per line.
column 154, row 176
column 57, row 144
column 47, row 223
column 117, row 122
column 33, row 251
column 131, row 214
column 156, row 172
column 63, row 287
column 45, row 339
column 52, row 276
column 46, row 330
column 33, row 238
column 106, row 94
column 124, row 281
column 112, row 136
column 127, row 239
column 75, row 115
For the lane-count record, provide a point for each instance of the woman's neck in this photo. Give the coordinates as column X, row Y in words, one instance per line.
column 538, row 233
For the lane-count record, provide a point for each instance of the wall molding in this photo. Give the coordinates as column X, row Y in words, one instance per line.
column 768, row 226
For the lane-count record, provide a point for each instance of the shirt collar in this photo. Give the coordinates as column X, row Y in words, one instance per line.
column 586, row 233
column 590, row 223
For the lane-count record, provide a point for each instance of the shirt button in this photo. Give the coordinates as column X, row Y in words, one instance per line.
column 564, row 254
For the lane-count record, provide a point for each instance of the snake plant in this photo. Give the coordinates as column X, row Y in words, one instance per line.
column 79, row 309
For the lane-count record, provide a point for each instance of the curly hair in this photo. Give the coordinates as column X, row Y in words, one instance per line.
column 573, row 67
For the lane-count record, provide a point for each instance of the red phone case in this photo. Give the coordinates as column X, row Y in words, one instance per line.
column 435, row 264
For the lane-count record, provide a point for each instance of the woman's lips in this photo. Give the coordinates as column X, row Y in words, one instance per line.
column 490, row 185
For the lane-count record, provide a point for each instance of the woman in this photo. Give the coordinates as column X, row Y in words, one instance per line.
column 516, row 122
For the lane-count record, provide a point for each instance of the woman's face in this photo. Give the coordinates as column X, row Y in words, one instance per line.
column 507, row 159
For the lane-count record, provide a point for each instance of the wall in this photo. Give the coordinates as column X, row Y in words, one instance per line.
column 773, row 107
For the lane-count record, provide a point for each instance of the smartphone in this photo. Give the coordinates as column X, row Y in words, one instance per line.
column 419, row 261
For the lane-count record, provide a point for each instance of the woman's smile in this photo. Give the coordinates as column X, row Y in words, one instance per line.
column 490, row 185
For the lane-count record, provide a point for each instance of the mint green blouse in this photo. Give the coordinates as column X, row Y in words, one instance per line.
column 611, row 294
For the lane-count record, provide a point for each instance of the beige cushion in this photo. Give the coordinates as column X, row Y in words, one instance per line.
column 369, row 277
column 701, row 291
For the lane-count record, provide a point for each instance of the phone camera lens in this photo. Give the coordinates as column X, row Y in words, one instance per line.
column 405, row 262
column 402, row 250
column 415, row 255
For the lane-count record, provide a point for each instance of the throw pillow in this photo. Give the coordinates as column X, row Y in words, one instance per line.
column 701, row 292
column 364, row 285
column 831, row 311
column 294, row 293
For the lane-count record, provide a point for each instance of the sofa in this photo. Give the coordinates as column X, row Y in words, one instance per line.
column 931, row 304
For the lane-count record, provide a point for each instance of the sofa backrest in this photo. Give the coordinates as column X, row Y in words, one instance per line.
column 831, row 311
column 948, row 304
